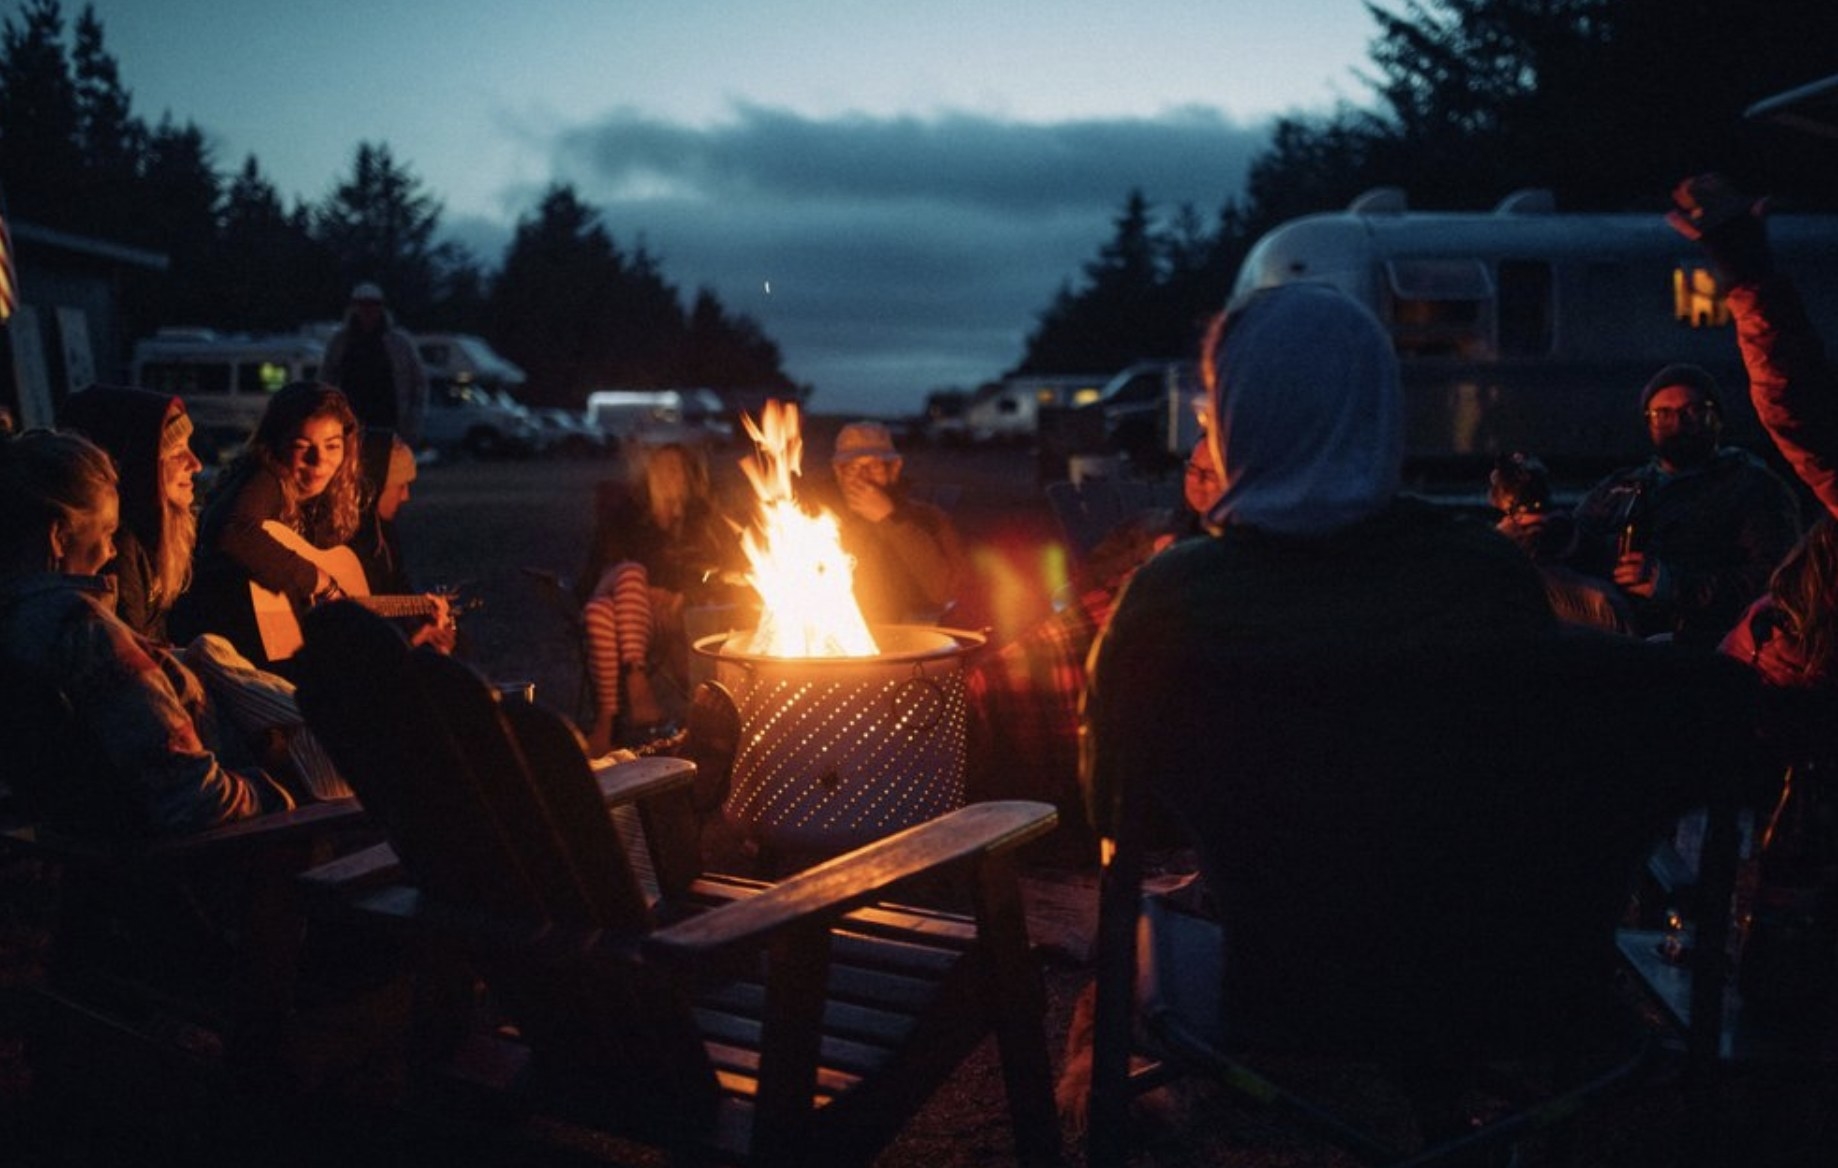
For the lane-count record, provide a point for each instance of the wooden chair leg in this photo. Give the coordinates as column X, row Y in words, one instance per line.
column 1027, row 1068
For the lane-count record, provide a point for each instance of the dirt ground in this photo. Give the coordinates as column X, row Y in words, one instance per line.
column 491, row 529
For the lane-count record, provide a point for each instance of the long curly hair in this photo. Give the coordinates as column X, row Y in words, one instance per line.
column 338, row 508
column 1805, row 591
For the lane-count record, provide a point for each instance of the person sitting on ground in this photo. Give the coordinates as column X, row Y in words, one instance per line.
column 1690, row 535
column 388, row 467
column 1519, row 488
column 149, row 437
column 660, row 544
column 909, row 560
column 147, row 762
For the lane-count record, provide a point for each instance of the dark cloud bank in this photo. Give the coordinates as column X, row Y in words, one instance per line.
column 903, row 254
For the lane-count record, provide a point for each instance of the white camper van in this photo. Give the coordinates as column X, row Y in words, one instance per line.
column 1526, row 329
column 226, row 380
column 652, row 416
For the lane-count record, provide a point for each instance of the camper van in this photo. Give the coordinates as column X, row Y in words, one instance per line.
column 1009, row 410
column 472, row 398
column 1526, row 329
column 226, row 380
column 651, row 416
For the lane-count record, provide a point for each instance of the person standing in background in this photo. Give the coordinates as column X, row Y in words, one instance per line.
column 375, row 364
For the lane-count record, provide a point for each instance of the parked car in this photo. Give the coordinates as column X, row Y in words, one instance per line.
column 468, row 418
column 569, row 434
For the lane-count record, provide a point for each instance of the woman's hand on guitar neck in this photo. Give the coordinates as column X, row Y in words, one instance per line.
column 439, row 630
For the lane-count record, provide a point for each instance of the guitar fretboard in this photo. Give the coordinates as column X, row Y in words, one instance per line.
column 397, row 606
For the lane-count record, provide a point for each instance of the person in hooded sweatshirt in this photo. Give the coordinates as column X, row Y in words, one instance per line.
column 148, row 435
column 1312, row 543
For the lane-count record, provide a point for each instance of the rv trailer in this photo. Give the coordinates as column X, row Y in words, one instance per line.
column 1527, row 329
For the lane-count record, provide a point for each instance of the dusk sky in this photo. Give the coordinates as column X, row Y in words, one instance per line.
column 893, row 195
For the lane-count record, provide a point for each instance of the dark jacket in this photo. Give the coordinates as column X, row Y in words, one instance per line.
column 688, row 561
column 908, row 567
column 233, row 551
column 1718, row 530
column 134, row 764
column 129, row 424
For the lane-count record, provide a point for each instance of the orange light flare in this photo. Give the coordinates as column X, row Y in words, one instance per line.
column 804, row 579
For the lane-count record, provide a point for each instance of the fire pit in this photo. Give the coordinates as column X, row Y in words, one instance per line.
column 837, row 751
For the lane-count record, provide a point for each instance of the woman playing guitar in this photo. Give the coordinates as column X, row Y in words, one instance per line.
column 295, row 491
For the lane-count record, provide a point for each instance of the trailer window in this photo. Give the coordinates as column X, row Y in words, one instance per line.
column 263, row 377
column 185, row 377
column 1697, row 299
column 1526, row 311
column 1439, row 308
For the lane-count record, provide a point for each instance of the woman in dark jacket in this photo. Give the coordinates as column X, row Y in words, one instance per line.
column 148, row 435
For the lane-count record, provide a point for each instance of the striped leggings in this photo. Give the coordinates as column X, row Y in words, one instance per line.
column 620, row 627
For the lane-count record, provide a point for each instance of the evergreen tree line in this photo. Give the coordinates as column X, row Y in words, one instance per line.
column 1606, row 103
column 567, row 303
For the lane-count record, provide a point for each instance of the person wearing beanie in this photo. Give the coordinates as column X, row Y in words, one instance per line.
column 148, row 435
column 1689, row 536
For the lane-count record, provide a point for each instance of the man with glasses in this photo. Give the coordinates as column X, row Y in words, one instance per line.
column 1690, row 535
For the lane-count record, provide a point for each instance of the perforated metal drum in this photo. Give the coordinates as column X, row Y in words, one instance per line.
column 837, row 751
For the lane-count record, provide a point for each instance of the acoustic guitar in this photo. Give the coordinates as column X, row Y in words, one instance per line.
column 279, row 624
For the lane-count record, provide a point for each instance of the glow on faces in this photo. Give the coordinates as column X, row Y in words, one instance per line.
column 178, row 464
column 315, row 455
column 85, row 544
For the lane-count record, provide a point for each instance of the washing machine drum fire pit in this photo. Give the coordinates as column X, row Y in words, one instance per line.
column 838, row 751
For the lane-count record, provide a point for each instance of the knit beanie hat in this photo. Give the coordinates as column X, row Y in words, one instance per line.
column 1695, row 376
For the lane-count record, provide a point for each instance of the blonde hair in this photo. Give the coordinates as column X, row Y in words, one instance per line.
column 668, row 495
column 47, row 476
column 178, row 523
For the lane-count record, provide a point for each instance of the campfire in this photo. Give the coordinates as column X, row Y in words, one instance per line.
column 847, row 732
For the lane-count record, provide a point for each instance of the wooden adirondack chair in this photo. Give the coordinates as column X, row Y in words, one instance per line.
column 171, row 979
column 724, row 1020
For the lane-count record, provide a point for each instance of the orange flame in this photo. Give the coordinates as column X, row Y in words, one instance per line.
column 804, row 579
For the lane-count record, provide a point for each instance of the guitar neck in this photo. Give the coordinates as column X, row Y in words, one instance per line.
column 397, row 606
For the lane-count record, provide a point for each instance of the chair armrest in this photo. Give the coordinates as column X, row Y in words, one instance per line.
column 624, row 782
column 848, row 882
column 638, row 779
column 362, row 869
column 248, row 835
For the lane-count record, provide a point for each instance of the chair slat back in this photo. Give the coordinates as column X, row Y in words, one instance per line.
column 390, row 742
column 489, row 835
column 550, row 808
